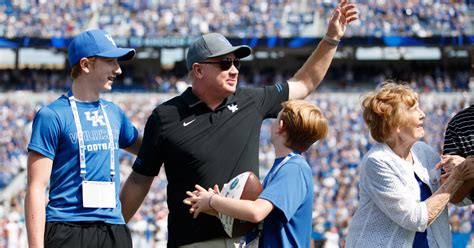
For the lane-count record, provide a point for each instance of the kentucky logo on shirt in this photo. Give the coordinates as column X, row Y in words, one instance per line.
column 97, row 139
column 233, row 107
column 95, row 118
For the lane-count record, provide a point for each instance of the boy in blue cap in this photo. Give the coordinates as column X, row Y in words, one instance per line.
column 74, row 147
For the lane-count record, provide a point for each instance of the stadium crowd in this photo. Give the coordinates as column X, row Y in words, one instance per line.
column 426, row 77
column 240, row 18
column 334, row 162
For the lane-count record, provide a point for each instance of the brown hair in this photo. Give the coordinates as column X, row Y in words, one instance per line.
column 384, row 108
column 76, row 69
column 304, row 124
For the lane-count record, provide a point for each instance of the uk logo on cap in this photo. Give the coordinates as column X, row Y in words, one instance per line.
column 96, row 43
column 110, row 38
column 223, row 39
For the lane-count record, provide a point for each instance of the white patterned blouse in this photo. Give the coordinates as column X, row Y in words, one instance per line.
column 390, row 211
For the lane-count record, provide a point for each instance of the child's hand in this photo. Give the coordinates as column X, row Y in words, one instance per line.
column 216, row 189
column 189, row 201
column 199, row 201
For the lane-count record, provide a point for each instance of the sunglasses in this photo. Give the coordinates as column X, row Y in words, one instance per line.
column 225, row 64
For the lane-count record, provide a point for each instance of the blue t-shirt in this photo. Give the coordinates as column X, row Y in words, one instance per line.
column 291, row 193
column 55, row 136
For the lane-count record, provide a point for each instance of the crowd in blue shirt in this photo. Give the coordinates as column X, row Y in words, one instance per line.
column 238, row 18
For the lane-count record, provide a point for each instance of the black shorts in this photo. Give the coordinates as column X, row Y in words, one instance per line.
column 86, row 235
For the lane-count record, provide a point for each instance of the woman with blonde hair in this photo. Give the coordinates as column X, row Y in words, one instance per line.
column 402, row 202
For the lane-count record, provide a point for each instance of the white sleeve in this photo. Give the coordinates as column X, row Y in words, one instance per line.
column 386, row 188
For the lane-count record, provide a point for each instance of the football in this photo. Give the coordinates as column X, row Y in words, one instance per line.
column 245, row 186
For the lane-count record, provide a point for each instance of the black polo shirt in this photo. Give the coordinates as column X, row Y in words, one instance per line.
column 198, row 145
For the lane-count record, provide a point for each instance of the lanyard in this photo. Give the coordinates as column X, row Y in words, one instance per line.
column 80, row 137
column 270, row 175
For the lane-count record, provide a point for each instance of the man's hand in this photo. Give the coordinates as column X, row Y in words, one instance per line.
column 448, row 162
column 465, row 172
column 344, row 14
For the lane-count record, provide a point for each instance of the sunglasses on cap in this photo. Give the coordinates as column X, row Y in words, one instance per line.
column 225, row 64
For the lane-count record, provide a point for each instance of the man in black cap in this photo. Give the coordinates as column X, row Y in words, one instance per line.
column 210, row 133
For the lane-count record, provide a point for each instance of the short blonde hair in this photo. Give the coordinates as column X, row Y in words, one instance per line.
column 304, row 124
column 77, row 70
column 384, row 108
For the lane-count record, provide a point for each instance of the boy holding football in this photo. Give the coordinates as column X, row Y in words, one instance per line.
column 286, row 203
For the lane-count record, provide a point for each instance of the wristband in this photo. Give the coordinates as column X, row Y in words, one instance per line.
column 209, row 203
column 331, row 41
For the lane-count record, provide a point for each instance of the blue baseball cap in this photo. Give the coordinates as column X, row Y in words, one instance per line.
column 96, row 43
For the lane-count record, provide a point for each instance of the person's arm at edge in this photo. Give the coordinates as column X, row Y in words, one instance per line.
column 39, row 171
column 464, row 190
column 253, row 211
column 310, row 75
column 133, row 193
column 451, row 147
column 438, row 201
column 202, row 201
column 460, row 197
column 135, row 147
column 138, row 183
